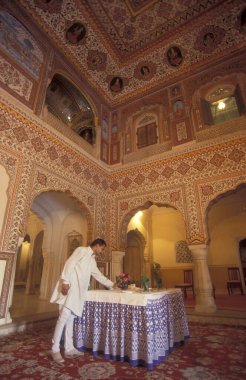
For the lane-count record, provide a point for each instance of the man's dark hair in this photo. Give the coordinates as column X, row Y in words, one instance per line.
column 99, row 242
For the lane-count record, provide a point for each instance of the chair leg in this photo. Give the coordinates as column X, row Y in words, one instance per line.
column 241, row 289
column 228, row 289
column 193, row 291
column 185, row 294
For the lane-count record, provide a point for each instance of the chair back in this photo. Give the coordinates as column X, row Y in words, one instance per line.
column 234, row 274
column 188, row 276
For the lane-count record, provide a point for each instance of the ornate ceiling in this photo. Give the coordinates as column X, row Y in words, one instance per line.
column 134, row 25
column 125, row 48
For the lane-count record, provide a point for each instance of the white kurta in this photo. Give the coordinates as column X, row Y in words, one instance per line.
column 77, row 271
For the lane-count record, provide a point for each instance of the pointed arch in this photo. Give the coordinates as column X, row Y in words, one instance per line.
column 127, row 217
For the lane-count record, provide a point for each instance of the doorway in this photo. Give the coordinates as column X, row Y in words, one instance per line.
column 56, row 225
column 134, row 256
column 242, row 252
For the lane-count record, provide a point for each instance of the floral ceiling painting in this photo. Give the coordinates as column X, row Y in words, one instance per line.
column 146, row 44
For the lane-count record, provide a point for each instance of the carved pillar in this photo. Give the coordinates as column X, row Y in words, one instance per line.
column 44, row 280
column 29, row 280
column 148, row 252
column 117, row 263
column 202, row 281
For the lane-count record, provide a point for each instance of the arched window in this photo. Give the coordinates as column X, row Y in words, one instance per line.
column 147, row 131
column 66, row 102
column 222, row 104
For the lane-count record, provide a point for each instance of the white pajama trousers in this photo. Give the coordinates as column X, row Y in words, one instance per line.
column 64, row 322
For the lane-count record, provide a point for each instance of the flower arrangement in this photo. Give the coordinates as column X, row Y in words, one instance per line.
column 123, row 280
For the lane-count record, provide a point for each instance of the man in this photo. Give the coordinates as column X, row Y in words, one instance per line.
column 70, row 293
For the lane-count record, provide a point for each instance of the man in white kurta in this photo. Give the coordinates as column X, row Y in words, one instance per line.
column 70, row 293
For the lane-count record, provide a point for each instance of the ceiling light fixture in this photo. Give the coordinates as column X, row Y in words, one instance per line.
column 221, row 106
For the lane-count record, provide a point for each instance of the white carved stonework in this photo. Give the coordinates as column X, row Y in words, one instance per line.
column 117, row 263
column 203, row 286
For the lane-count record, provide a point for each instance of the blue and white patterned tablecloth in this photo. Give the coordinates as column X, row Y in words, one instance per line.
column 140, row 328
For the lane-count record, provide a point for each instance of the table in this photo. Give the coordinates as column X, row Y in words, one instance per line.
column 141, row 328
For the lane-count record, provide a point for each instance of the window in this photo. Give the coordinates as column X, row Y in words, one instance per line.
column 146, row 135
column 71, row 107
column 223, row 109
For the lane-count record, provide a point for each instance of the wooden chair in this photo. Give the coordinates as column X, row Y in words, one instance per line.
column 187, row 284
column 234, row 280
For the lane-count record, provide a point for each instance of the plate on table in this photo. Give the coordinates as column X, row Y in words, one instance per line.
column 127, row 291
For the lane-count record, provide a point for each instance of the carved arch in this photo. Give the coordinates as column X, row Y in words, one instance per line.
column 127, row 217
column 216, row 197
column 74, row 196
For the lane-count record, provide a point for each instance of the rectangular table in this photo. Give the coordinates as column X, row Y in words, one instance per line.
column 141, row 328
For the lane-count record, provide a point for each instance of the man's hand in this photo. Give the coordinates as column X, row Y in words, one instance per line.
column 65, row 289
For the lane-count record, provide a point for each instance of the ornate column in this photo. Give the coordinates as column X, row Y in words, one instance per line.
column 148, row 251
column 202, row 281
column 44, row 278
column 117, row 263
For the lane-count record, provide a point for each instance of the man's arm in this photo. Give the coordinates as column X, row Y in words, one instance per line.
column 95, row 272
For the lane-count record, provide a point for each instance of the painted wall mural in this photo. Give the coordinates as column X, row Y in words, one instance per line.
column 14, row 80
column 105, row 124
column 37, row 160
column 17, row 42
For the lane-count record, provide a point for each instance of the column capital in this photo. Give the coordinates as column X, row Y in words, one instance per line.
column 199, row 251
column 198, row 246
column 117, row 263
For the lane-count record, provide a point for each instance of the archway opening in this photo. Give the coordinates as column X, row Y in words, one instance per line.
column 153, row 233
column 242, row 251
column 66, row 103
column 3, row 194
column 226, row 220
column 134, row 255
column 57, row 224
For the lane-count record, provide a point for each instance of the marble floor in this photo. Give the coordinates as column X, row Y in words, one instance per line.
column 26, row 305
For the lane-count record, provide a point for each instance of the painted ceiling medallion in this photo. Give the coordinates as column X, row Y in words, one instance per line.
column 209, row 38
column 116, row 84
column 174, row 56
column 145, row 70
column 76, row 33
